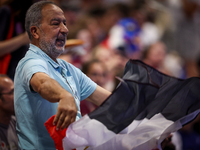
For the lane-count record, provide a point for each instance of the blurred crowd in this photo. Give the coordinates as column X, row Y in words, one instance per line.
column 162, row 33
column 165, row 34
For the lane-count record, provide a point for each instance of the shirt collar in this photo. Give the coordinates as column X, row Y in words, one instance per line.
column 44, row 55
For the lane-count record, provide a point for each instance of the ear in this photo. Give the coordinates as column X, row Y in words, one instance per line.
column 35, row 32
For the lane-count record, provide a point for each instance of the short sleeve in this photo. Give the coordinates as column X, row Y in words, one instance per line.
column 84, row 84
column 31, row 67
column 87, row 86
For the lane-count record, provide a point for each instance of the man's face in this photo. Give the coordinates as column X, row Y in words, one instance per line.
column 53, row 31
column 6, row 95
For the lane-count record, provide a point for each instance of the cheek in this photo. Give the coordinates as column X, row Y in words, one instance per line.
column 49, row 34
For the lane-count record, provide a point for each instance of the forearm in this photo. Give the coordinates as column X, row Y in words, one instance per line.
column 11, row 45
column 51, row 90
column 99, row 96
column 48, row 88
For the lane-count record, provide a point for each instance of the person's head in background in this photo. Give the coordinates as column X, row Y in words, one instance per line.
column 6, row 99
column 155, row 54
column 47, row 28
column 96, row 71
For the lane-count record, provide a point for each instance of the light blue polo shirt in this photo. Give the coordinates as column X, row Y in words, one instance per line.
column 31, row 110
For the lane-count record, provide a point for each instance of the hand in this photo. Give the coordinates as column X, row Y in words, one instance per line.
column 167, row 142
column 66, row 113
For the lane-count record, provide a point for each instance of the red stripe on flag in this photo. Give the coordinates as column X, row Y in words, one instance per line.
column 57, row 136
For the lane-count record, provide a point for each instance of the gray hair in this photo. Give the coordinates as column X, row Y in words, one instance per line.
column 34, row 16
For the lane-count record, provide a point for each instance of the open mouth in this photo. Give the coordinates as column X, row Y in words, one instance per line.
column 60, row 42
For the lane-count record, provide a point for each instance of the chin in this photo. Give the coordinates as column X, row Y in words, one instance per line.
column 60, row 49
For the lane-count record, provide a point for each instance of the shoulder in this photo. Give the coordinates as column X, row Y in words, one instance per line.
column 29, row 65
column 31, row 59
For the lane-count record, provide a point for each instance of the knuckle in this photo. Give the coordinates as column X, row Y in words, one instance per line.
column 72, row 111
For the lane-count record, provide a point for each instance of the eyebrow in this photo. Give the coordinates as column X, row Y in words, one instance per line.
column 57, row 19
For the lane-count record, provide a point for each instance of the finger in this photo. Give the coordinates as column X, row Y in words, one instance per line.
column 73, row 119
column 56, row 118
column 61, row 120
column 66, row 123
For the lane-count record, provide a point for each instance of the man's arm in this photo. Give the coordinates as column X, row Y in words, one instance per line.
column 52, row 91
column 98, row 96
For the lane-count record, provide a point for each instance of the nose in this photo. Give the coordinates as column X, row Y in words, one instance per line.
column 64, row 29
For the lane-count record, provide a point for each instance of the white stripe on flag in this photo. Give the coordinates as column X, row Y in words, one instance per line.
column 86, row 132
column 145, row 134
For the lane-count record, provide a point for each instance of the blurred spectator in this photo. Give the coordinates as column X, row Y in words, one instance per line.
column 175, row 65
column 96, row 71
column 8, row 136
column 98, row 20
column 124, row 36
column 113, row 14
column 106, row 57
column 13, row 38
column 186, row 34
column 153, row 18
column 121, row 44
column 86, row 36
column 114, row 62
column 155, row 55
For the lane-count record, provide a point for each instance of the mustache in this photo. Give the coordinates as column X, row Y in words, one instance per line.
column 62, row 37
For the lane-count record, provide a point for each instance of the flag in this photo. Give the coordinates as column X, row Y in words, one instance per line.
column 140, row 113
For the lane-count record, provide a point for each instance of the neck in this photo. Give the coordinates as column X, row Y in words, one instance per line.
column 53, row 56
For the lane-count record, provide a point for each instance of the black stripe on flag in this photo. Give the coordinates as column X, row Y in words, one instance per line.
column 144, row 92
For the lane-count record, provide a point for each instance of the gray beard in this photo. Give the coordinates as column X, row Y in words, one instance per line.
column 50, row 49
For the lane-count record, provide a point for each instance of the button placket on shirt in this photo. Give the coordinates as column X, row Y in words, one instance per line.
column 69, row 84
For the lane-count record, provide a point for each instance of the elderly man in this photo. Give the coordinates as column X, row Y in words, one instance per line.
column 45, row 85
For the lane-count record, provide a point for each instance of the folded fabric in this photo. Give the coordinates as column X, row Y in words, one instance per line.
column 57, row 136
column 139, row 114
